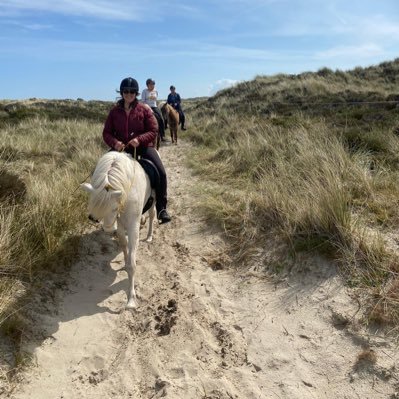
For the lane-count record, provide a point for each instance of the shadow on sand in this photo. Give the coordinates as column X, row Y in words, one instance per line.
column 84, row 290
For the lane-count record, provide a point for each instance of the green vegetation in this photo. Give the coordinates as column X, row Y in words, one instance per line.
column 42, row 163
column 42, row 211
column 15, row 112
column 289, row 163
column 310, row 160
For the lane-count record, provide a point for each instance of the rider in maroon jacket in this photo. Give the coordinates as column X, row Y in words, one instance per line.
column 131, row 125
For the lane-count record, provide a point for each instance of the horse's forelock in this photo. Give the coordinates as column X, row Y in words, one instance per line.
column 114, row 171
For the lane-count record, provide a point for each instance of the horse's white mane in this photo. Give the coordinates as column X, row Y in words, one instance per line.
column 114, row 171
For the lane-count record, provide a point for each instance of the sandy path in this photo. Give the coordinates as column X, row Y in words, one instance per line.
column 201, row 333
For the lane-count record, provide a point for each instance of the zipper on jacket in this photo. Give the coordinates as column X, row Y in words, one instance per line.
column 127, row 126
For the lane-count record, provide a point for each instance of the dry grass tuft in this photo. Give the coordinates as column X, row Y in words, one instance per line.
column 42, row 212
column 365, row 359
column 321, row 178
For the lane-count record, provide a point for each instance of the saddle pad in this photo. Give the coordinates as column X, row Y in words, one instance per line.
column 151, row 171
column 153, row 175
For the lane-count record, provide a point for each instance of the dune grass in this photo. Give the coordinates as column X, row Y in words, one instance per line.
column 42, row 211
column 290, row 160
column 325, row 181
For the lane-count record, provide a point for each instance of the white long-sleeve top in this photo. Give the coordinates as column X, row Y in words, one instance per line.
column 149, row 97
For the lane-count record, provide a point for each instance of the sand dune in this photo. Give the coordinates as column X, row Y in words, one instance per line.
column 202, row 332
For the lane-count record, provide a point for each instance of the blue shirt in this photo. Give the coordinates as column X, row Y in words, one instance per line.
column 174, row 99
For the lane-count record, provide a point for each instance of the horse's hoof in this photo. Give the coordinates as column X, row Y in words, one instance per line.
column 148, row 239
column 131, row 305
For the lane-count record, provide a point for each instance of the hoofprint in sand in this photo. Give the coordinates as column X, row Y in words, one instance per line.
column 202, row 331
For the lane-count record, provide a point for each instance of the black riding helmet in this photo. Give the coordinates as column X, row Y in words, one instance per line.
column 129, row 83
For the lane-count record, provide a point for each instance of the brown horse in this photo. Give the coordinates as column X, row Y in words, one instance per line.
column 171, row 117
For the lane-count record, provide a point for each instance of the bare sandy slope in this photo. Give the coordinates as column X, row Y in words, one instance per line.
column 201, row 332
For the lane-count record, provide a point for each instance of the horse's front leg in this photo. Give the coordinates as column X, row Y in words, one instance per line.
column 133, row 242
column 122, row 240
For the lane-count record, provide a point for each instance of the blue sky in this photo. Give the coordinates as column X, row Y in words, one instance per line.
column 78, row 48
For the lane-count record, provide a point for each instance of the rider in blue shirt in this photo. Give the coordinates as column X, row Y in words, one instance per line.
column 175, row 101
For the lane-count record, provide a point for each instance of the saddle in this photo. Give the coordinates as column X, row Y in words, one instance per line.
column 152, row 172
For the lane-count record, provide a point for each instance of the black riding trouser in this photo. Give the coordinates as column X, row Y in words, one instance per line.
column 182, row 118
column 159, row 118
column 161, row 191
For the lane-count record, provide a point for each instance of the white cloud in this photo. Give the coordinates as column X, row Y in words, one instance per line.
column 28, row 26
column 361, row 51
column 121, row 10
column 221, row 84
column 379, row 26
column 104, row 9
column 38, row 27
column 328, row 22
column 148, row 50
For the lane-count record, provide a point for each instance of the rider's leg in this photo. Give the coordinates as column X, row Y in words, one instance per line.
column 182, row 119
column 161, row 191
column 161, row 124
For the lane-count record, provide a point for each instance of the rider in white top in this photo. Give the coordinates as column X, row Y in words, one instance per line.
column 149, row 96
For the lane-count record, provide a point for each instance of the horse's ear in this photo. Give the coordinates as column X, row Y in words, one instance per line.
column 116, row 193
column 87, row 187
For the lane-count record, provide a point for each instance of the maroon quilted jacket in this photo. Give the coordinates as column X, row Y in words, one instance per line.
column 140, row 124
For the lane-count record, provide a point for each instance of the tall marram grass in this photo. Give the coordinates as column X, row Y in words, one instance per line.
column 42, row 211
column 299, row 159
column 318, row 184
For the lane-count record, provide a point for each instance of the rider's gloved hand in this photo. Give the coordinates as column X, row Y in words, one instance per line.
column 134, row 143
column 119, row 146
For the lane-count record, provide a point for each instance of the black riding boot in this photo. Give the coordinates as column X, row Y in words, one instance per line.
column 164, row 217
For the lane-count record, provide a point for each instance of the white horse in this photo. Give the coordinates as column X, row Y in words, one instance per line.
column 119, row 190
